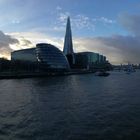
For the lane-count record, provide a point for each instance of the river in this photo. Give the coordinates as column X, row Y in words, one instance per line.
column 75, row 107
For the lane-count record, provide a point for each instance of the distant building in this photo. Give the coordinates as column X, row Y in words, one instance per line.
column 24, row 55
column 68, row 45
column 52, row 56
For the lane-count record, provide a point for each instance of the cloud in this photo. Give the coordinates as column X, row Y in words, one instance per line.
column 15, row 21
column 130, row 23
column 5, row 42
column 63, row 16
column 36, row 37
column 22, row 44
column 105, row 20
column 117, row 48
column 77, row 21
column 58, row 8
column 8, row 43
column 81, row 21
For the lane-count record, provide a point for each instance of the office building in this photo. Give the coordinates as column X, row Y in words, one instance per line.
column 24, row 55
column 68, row 45
column 88, row 60
column 45, row 54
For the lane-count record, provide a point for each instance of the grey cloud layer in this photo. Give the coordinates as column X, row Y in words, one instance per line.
column 130, row 23
column 118, row 48
column 5, row 41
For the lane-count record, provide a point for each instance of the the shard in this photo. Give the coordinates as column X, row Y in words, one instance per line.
column 68, row 45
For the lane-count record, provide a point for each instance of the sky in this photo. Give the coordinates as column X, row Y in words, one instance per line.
column 108, row 27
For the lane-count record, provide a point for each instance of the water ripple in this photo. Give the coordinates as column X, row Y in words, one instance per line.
column 77, row 107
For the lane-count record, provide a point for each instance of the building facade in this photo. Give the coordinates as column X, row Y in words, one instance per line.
column 45, row 54
column 24, row 55
column 68, row 45
column 87, row 60
column 51, row 56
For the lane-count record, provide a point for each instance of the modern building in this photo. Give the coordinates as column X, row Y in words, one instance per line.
column 68, row 45
column 51, row 56
column 88, row 60
column 102, row 59
column 45, row 54
column 24, row 55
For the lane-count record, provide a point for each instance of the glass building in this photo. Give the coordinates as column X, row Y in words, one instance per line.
column 88, row 59
column 24, row 55
column 51, row 56
column 68, row 45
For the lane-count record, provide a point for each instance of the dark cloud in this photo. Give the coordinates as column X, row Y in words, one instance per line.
column 5, row 41
column 24, row 43
column 9, row 43
column 118, row 48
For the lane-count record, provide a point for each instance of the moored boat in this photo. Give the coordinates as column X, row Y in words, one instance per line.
column 102, row 73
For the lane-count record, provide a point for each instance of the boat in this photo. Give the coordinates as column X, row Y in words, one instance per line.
column 129, row 69
column 102, row 73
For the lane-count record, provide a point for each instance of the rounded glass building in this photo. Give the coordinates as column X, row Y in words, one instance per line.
column 51, row 56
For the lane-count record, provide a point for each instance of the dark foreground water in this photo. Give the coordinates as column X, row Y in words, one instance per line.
column 77, row 107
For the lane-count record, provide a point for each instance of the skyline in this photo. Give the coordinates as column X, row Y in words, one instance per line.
column 106, row 27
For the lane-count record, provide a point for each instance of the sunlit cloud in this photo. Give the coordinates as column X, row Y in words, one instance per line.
column 5, row 42
column 32, row 38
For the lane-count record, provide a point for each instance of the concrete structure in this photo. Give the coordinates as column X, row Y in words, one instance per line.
column 24, row 55
column 68, row 45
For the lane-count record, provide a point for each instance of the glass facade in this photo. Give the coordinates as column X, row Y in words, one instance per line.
column 68, row 45
column 88, row 59
column 51, row 56
column 102, row 58
column 24, row 55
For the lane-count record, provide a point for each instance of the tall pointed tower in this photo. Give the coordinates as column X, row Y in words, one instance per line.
column 68, row 45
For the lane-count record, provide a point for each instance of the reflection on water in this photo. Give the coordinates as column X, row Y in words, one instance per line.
column 77, row 107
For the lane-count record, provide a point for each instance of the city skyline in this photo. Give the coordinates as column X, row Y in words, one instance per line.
column 107, row 27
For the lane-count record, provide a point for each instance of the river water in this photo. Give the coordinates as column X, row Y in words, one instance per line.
column 76, row 107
